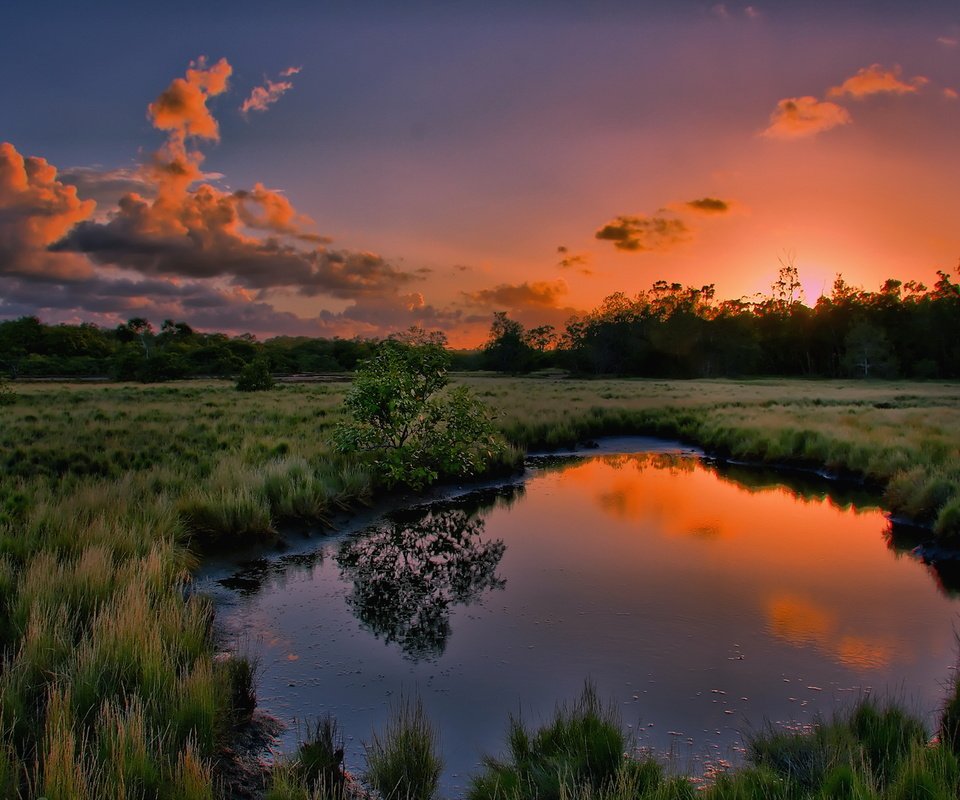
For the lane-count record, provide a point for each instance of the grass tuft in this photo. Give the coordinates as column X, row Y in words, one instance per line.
column 403, row 762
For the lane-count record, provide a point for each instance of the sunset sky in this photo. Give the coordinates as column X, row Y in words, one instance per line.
column 356, row 168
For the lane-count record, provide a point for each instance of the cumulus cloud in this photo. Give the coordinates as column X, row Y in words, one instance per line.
column 535, row 294
column 36, row 209
column 168, row 244
column 182, row 107
column 707, row 205
column 875, row 79
column 254, row 238
column 642, row 234
column 800, row 117
column 264, row 96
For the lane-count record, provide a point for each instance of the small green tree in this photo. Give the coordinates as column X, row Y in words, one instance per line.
column 401, row 412
column 255, row 376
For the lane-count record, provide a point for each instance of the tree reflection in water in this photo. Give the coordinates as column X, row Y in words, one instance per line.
column 408, row 573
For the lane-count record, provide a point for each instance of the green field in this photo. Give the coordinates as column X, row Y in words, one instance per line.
column 110, row 493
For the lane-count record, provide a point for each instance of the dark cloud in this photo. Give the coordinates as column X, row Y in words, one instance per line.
column 106, row 186
column 708, row 205
column 574, row 261
column 640, row 234
column 536, row 294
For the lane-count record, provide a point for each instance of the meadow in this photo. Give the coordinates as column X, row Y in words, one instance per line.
column 114, row 683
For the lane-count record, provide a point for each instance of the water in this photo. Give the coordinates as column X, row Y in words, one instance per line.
column 703, row 602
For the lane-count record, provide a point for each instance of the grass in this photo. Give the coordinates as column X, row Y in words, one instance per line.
column 109, row 494
column 873, row 752
column 403, row 762
column 581, row 750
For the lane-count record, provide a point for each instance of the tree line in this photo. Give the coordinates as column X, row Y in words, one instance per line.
column 136, row 351
column 670, row 331
column 677, row 331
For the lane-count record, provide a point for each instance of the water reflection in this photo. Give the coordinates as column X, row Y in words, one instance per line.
column 408, row 573
column 703, row 598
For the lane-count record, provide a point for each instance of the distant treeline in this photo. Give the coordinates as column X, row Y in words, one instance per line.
column 135, row 351
column 902, row 330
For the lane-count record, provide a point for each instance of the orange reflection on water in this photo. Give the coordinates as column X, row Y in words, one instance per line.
column 801, row 622
column 798, row 621
column 816, row 575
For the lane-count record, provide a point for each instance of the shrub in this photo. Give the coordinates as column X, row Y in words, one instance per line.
column 255, row 377
column 415, row 430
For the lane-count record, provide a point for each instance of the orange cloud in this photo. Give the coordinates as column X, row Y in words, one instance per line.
column 877, row 80
column 199, row 231
column 950, row 94
column 37, row 209
column 276, row 213
column 644, row 234
column 182, row 106
column 262, row 97
column 537, row 294
column 799, row 117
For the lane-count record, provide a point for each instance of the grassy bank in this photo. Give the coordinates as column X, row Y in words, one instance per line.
column 110, row 686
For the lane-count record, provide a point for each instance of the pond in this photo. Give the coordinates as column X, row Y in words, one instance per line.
column 705, row 601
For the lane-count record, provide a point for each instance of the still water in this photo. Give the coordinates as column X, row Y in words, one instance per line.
column 703, row 601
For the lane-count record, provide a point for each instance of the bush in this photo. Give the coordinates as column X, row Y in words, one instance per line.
column 255, row 377
column 404, row 763
column 415, row 430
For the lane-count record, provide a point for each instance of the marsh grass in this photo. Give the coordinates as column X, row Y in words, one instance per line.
column 403, row 762
column 109, row 493
column 873, row 752
column 581, row 749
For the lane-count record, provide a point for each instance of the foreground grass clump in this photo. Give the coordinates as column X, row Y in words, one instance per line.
column 403, row 762
column 316, row 771
column 580, row 752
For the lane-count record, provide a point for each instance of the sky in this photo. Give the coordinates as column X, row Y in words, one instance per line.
column 355, row 168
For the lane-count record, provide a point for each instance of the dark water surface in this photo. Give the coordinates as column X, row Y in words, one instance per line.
column 703, row 601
